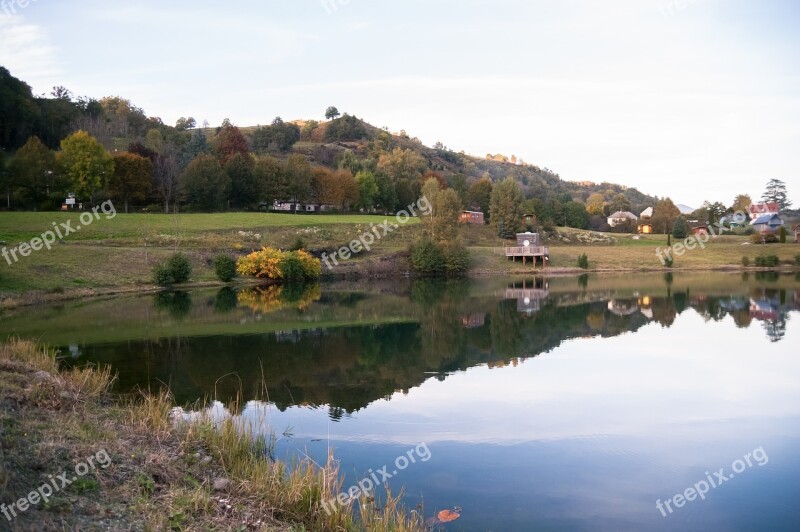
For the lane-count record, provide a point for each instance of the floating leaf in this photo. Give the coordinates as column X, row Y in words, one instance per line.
column 446, row 516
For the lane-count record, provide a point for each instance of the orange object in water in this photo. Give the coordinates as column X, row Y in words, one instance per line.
column 446, row 516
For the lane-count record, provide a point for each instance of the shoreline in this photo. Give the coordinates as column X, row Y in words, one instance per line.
column 16, row 300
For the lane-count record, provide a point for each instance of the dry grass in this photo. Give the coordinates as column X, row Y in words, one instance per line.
column 163, row 474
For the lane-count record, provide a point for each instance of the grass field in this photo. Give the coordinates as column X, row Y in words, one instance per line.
column 120, row 252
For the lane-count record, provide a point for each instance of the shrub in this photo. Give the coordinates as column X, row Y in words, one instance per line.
column 298, row 245
column 270, row 263
column 681, row 228
column 782, row 234
column 176, row 270
column 583, row 262
column 225, row 267
column 427, row 257
column 767, row 261
column 456, row 258
column 758, row 238
column 745, row 261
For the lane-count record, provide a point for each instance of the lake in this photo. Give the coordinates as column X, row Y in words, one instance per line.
column 635, row 402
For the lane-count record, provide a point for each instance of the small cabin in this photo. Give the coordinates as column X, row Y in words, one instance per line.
column 698, row 228
column 528, row 219
column 529, row 245
column 472, row 218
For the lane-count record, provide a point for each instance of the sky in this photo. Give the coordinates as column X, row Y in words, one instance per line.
column 692, row 99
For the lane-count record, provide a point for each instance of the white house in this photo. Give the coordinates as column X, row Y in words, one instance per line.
column 620, row 217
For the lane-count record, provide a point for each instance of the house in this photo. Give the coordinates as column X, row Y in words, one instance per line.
column 472, row 217
column 757, row 210
column 288, row 206
column 646, row 224
column 697, row 227
column 620, row 217
column 528, row 219
column 767, row 224
column 529, row 245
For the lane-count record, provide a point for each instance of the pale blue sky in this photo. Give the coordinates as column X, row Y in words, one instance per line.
column 695, row 99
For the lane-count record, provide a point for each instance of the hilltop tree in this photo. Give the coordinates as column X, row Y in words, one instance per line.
column 228, row 142
column 132, row 179
column 85, row 164
column 479, row 196
column 346, row 128
column 205, row 185
column 185, row 123
column 505, row 209
column 776, row 191
column 279, row 137
column 331, row 113
column 664, row 215
column 33, row 168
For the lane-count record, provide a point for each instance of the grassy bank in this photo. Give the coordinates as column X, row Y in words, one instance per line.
column 146, row 472
column 119, row 254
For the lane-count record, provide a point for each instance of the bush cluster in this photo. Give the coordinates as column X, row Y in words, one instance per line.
column 757, row 238
column 768, row 261
column 175, row 270
column 225, row 267
column 583, row 262
column 277, row 265
column 430, row 258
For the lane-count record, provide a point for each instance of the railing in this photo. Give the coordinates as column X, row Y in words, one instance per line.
column 529, row 251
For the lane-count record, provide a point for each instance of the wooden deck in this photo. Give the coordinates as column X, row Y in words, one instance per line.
column 536, row 253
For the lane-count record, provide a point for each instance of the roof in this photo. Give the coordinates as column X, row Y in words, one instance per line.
column 647, row 213
column 764, row 208
column 694, row 224
column 472, row 212
column 766, row 219
column 628, row 215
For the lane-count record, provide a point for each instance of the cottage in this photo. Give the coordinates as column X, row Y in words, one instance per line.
column 646, row 224
column 698, row 228
column 472, row 217
column 528, row 219
column 767, row 224
column 756, row 210
column 620, row 217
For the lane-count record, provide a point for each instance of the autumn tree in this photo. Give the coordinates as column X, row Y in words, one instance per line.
column 271, row 183
column 402, row 164
column 595, row 204
column 184, row 123
column 348, row 189
column 86, row 164
column 166, row 170
column 441, row 224
column 505, row 208
column 279, row 137
column 664, row 215
column 33, row 168
column 620, row 203
column 228, row 142
column 132, row 179
column 204, row 185
column 324, row 186
column 741, row 203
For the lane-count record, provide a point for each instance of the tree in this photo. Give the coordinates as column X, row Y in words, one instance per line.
column 576, row 215
column 620, row 203
column 6, row 181
column 298, row 175
column 33, row 168
column 308, row 129
column 387, row 193
column 714, row 211
column 776, row 191
column 271, row 183
column 204, row 184
column 664, row 215
column 741, row 203
column 279, row 137
column 348, row 187
column 345, row 128
column 402, row 164
column 245, row 185
column 681, row 228
column 166, row 171
column 367, row 190
column 132, row 179
column 505, row 209
column 479, row 196
column 86, row 164
column 595, row 204
column 324, row 187
column 185, row 123
column 441, row 224
column 331, row 113
column 228, row 142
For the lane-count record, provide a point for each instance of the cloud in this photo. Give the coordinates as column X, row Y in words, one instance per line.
column 25, row 50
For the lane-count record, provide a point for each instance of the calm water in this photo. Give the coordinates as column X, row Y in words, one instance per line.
column 541, row 404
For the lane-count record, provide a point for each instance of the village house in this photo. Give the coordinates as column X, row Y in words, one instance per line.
column 697, row 227
column 756, row 210
column 472, row 217
column 767, row 224
column 620, row 217
column 646, row 224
